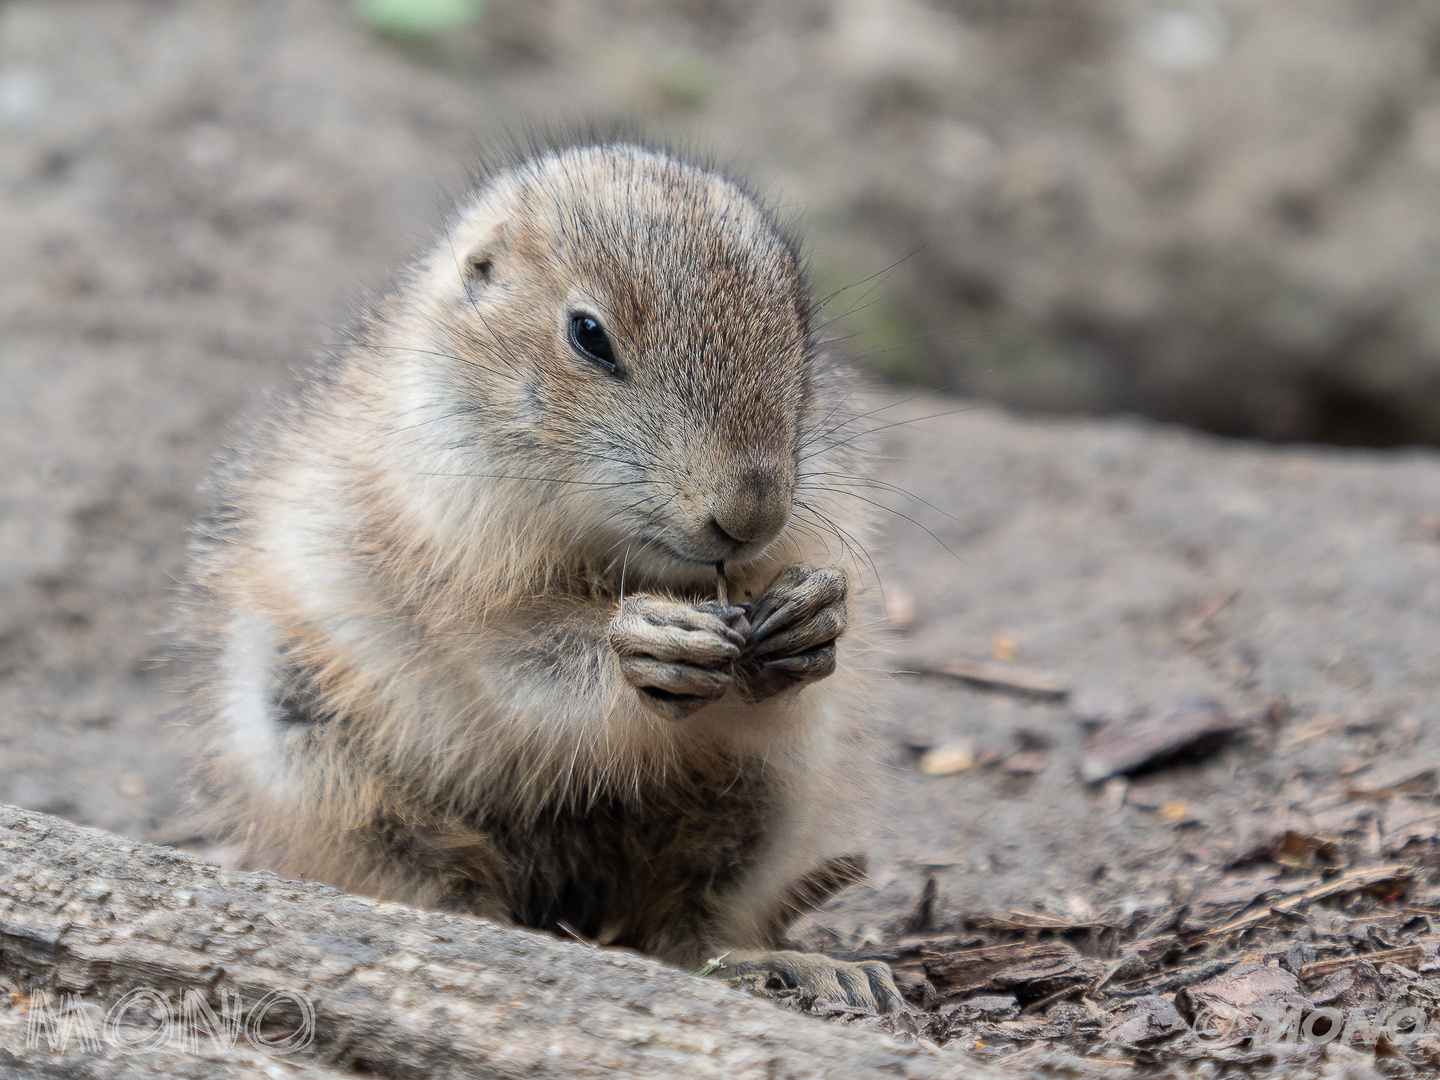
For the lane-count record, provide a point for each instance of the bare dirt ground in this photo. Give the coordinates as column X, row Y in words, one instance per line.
column 193, row 193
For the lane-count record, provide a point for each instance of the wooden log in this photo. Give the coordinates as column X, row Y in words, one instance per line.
column 89, row 917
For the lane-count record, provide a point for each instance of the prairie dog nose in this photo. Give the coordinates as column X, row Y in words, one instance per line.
column 751, row 507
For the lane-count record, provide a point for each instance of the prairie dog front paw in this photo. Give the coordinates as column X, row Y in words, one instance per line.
column 677, row 656
column 793, row 631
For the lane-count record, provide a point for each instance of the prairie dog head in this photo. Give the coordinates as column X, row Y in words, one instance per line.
column 627, row 338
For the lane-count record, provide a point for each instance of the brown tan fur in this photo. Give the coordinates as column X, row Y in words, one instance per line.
column 439, row 576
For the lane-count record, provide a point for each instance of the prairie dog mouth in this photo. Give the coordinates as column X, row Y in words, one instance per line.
column 735, row 559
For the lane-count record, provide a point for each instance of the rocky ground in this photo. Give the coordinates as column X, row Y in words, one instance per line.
column 1246, row 635
column 1199, row 676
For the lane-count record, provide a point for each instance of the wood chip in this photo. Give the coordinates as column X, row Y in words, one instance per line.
column 1301, row 850
column 1409, row 955
column 994, row 675
column 1037, row 968
column 1407, row 821
column 1129, row 746
column 1140, row 959
column 1027, row 763
column 1021, row 1029
column 991, row 1007
column 1351, row 881
column 1387, row 779
column 1144, row 1020
column 1174, row 810
column 1003, row 646
column 1322, row 726
column 1025, row 920
column 1212, row 906
column 1240, row 997
column 1357, row 984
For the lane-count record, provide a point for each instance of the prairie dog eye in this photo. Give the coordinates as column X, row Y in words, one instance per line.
column 589, row 339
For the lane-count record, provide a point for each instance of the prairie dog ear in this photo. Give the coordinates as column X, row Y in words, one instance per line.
column 478, row 267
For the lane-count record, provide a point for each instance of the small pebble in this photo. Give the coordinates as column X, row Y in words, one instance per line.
column 1174, row 810
column 951, row 757
column 1003, row 646
column 900, row 607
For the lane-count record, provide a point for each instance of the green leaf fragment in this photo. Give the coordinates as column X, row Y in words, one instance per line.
column 418, row 16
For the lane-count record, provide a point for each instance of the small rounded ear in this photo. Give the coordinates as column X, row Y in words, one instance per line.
column 479, row 266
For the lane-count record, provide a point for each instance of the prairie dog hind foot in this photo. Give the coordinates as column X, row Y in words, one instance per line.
column 819, row 979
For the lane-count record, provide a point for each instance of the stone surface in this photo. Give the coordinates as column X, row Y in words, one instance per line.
column 358, row 985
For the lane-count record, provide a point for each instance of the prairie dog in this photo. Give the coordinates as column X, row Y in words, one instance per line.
column 455, row 614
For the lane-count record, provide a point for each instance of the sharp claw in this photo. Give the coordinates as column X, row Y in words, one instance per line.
column 826, row 627
column 794, row 596
column 671, row 706
column 867, row 985
column 820, row 658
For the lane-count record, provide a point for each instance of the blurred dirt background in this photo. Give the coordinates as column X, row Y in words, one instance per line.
column 1216, row 213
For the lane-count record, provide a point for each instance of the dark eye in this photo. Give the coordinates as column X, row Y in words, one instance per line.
column 590, row 340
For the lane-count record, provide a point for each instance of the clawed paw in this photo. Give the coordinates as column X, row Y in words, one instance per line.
column 681, row 656
column 819, row 980
column 793, row 631
column 678, row 656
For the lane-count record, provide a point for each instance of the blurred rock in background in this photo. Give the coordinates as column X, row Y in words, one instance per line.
column 1225, row 214
column 1221, row 213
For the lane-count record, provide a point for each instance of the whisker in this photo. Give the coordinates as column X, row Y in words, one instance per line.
column 886, row 427
column 934, row 392
column 870, row 481
column 537, row 479
column 592, row 529
column 624, row 566
column 877, row 274
column 938, row 335
column 847, row 540
column 897, row 513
